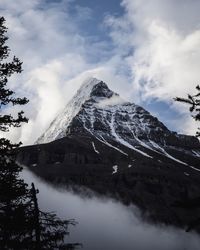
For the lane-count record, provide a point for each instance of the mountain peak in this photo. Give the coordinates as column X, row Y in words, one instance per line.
column 92, row 89
column 90, row 82
column 95, row 88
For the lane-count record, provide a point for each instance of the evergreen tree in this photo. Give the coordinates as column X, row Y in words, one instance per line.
column 49, row 230
column 191, row 204
column 12, row 189
column 22, row 224
column 194, row 102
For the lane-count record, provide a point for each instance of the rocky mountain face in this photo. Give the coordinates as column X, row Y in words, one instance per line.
column 97, row 110
column 111, row 146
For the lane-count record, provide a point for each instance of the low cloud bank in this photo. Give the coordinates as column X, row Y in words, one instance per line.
column 107, row 224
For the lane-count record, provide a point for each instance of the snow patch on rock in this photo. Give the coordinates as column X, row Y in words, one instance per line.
column 115, row 169
column 95, row 150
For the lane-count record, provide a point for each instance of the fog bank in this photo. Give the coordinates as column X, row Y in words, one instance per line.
column 105, row 224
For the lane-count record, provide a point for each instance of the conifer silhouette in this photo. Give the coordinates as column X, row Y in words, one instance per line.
column 22, row 224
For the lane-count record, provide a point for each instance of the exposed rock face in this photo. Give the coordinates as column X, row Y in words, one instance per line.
column 115, row 147
column 97, row 110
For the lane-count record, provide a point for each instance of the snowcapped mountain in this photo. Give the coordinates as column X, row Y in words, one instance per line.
column 98, row 111
column 101, row 142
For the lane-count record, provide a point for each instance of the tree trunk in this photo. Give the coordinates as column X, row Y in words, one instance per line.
column 36, row 218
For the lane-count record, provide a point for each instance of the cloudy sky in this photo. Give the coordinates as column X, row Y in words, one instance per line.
column 148, row 51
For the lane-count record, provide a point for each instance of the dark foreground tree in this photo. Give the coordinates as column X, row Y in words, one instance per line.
column 191, row 204
column 22, row 224
column 194, row 102
column 49, row 230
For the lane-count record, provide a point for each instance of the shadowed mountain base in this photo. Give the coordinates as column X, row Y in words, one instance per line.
column 156, row 185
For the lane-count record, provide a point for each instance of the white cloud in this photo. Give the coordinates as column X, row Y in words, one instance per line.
column 165, row 39
column 114, row 100
column 52, row 50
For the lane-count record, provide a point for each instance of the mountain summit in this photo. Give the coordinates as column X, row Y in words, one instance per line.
column 91, row 90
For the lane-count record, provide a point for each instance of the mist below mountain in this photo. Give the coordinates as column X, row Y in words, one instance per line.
column 107, row 224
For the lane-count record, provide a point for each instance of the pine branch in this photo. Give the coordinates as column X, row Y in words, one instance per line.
column 194, row 102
